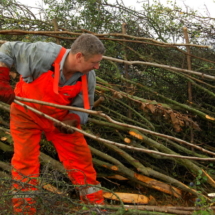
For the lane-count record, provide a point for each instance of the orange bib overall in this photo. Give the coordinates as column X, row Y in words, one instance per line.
column 26, row 129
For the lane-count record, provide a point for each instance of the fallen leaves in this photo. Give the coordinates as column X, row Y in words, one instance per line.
column 178, row 120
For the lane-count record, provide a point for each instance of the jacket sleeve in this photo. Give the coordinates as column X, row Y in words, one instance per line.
column 78, row 101
column 29, row 59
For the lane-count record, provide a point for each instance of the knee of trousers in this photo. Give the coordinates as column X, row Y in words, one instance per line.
column 82, row 176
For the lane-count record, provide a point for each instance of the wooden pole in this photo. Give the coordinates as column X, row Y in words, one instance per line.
column 56, row 29
column 189, row 87
column 188, row 64
column 124, row 25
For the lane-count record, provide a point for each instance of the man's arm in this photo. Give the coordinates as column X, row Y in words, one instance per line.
column 3, row 64
column 29, row 59
column 6, row 92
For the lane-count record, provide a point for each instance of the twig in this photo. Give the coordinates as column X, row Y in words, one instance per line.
column 202, row 75
column 112, row 121
column 102, row 36
column 168, row 209
column 108, row 141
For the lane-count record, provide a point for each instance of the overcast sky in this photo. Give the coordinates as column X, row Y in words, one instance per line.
column 199, row 5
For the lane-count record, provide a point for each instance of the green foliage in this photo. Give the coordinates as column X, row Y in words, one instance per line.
column 200, row 179
column 212, row 169
column 153, row 21
column 203, row 207
column 204, row 211
column 151, row 85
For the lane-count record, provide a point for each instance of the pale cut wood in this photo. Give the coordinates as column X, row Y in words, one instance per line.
column 127, row 197
column 159, row 185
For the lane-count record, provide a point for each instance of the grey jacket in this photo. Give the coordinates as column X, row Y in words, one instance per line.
column 33, row 59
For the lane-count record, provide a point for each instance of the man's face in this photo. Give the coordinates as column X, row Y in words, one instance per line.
column 86, row 65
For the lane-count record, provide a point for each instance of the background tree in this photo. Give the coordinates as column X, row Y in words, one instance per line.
column 156, row 86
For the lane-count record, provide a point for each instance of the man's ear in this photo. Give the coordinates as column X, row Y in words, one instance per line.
column 78, row 55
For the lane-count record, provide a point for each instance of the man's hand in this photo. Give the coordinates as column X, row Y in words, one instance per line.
column 6, row 92
column 71, row 120
column 66, row 130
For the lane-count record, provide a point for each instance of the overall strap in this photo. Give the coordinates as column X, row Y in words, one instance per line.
column 56, row 65
column 85, row 91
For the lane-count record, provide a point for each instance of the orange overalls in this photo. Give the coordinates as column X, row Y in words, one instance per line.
column 26, row 128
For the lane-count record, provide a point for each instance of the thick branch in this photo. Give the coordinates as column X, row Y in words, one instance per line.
column 126, row 126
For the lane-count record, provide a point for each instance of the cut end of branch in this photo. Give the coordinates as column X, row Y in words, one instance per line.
column 138, row 136
column 127, row 140
column 209, row 117
column 127, row 197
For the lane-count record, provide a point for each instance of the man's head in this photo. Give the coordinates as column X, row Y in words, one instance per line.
column 87, row 51
column 88, row 45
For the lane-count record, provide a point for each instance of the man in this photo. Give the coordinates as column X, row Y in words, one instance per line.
column 53, row 74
